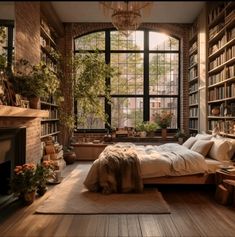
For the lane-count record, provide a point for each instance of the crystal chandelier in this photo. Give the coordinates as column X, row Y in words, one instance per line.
column 126, row 15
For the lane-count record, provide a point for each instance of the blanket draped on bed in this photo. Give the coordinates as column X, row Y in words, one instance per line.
column 117, row 170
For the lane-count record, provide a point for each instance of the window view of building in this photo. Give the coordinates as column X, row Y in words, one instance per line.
column 147, row 78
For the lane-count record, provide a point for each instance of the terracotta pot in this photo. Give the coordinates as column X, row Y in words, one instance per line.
column 29, row 198
column 164, row 133
column 69, row 157
column 34, row 103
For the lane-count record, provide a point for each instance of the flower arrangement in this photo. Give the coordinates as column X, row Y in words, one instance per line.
column 24, row 179
column 30, row 177
column 163, row 119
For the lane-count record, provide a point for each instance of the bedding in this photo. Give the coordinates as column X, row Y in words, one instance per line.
column 169, row 159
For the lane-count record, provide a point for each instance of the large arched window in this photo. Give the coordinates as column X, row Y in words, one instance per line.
column 148, row 79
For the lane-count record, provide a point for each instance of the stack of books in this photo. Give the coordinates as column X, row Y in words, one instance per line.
column 228, row 170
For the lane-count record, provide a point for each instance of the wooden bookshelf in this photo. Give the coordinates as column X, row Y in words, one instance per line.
column 221, row 67
column 193, row 79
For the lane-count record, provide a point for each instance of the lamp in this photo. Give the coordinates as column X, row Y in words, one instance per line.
column 126, row 15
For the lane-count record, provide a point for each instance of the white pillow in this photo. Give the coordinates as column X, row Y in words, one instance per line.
column 219, row 150
column 231, row 143
column 204, row 136
column 189, row 142
column 202, row 146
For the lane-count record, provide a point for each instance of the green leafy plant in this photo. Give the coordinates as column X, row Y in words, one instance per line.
column 89, row 83
column 180, row 134
column 146, row 126
column 34, row 80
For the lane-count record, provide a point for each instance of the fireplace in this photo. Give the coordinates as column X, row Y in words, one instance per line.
column 12, row 153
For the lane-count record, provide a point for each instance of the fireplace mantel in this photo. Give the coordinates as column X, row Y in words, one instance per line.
column 12, row 111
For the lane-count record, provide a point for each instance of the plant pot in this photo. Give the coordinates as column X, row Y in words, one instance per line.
column 150, row 134
column 164, row 133
column 41, row 190
column 34, row 103
column 69, row 157
column 181, row 140
column 28, row 198
column 142, row 134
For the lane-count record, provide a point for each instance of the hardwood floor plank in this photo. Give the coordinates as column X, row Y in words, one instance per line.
column 133, row 225
column 148, row 226
column 122, row 226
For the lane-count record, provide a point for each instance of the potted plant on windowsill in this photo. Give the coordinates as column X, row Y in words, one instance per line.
column 180, row 135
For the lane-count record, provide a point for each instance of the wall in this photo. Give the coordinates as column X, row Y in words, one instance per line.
column 27, row 31
column 180, row 31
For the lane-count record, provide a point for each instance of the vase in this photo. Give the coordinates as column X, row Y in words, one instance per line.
column 164, row 133
column 69, row 157
column 29, row 198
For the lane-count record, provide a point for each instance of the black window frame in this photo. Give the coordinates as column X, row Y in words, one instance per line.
column 146, row 96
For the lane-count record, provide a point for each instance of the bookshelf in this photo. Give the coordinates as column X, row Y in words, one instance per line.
column 221, row 68
column 193, row 79
column 49, row 126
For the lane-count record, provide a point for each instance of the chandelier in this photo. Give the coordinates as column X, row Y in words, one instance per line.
column 126, row 15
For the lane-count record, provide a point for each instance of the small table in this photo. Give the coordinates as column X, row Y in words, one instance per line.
column 225, row 190
column 220, row 175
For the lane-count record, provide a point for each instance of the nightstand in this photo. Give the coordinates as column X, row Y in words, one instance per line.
column 225, row 190
column 221, row 175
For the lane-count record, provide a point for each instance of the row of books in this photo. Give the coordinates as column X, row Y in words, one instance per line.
column 193, row 112
column 193, row 99
column 217, row 61
column 217, row 93
column 215, row 12
column 213, row 31
column 193, row 73
column 220, row 43
column 193, row 123
column 47, row 128
column 53, row 114
column 193, row 59
column 193, row 47
column 193, row 87
column 231, row 34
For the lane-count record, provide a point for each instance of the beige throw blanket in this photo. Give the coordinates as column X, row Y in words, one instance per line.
column 117, row 170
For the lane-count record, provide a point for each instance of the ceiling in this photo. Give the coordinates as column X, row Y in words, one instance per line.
column 161, row 12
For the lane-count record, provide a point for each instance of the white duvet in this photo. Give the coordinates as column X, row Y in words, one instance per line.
column 170, row 159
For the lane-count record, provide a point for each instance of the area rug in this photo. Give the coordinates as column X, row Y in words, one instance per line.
column 71, row 197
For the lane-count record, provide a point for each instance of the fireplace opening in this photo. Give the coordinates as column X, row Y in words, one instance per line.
column 12, row 153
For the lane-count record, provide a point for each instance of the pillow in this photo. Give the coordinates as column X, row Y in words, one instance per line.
column 204, row 136
column 202, row 146
column 231, row 142
column 189, row 142
column 220, row 149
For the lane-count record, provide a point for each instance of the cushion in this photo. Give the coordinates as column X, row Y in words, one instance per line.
column 204, row 136
column 189, row 142
column 231, row 142
column 220, row 149
column 202, row 146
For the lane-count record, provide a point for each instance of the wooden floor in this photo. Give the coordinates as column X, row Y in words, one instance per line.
column 194, row 212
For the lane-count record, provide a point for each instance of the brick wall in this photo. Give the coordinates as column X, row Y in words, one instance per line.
column 181, row 31
column 33, row 130
column 27, row 31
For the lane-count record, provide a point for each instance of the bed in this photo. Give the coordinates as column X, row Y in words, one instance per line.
column 194, row 162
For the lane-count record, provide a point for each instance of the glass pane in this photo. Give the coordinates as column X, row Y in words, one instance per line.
column 157, row 105
column 3, row 41
column 126, row 112
column 92, row 121
column 135, row 41
column 161, row 41
column 163, row 74
column 90, row 42
column 129, row 81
